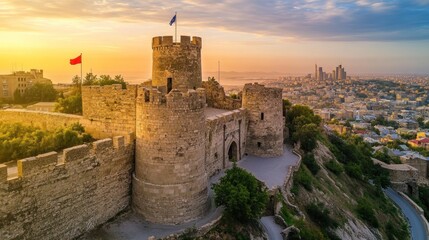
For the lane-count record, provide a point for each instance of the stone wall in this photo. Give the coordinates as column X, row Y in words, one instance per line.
column 61, row 196
column 216, row 96
column 109, row 110
column 420, row 164
column 179, row 61
column 266, row 121
column 170, row 182
column 221, row 131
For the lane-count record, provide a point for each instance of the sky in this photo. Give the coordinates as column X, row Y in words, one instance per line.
column 284, row 36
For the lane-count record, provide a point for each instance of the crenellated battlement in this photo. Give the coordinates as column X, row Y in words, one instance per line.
column 64, row 194
column 43, row 163
column 256, row 88
column 192, row 99
column 167, row 41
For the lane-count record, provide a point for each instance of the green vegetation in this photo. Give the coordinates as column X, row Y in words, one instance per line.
column 303, row 124
column 363, row 181
column 421, row 122
column 396, row 232
column 72, row 104
column 423, row 200
column 355, row 154
column 91, row 79
column 302, row 177
column 334, row 167
column 319, row 214
column 365, row 211
column 39, row 92
column 311, row 163
column 383, row 156
column 380, row 120
column 243, row 196
column 307, row 231
column 18, row 141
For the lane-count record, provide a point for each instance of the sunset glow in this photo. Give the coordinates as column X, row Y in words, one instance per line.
column 246, row 36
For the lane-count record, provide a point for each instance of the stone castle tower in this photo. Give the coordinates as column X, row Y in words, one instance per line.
column 170, row 182
column 265, row 111
column 176, row 65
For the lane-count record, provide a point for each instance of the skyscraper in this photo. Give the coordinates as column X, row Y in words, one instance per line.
column 315, row 71
column 320, row 74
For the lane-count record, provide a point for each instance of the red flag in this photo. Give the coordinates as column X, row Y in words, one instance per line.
column 77, row 60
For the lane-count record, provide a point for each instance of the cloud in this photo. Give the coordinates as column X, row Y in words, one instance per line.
column 329, row 20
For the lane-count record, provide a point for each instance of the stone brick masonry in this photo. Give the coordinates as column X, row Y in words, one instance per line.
column 266, row 122
column 60, row 196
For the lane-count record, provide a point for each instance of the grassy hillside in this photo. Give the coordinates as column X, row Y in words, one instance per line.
column 337, row 198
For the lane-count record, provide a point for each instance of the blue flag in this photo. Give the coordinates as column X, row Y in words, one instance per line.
column 173, row 20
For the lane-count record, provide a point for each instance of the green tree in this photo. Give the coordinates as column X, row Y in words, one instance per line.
column 76, row 81
column 243, row 196
column 71, row 104
column 40, row 92
column 420, row 121
column 307, row 136
column 286, row 106
column 90, row 79
column 17, row 97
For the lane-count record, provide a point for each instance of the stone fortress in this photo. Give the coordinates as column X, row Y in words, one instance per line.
column 161, row 142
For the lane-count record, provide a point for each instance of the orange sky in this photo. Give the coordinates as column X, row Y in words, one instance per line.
column 35, row 34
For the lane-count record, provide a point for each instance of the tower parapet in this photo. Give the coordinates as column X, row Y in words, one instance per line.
column 266, row 122
column 176, row 65
column 170, row 182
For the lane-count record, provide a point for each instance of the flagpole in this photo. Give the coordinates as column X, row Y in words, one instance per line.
column 81, row 79
column 175, row 27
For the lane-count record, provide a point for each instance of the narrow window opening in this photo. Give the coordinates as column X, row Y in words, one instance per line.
column 169, row 84
column 259, row 144
column 262, row 116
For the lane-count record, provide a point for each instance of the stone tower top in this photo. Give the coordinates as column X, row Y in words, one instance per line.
column 176, row 65
column 166, row 41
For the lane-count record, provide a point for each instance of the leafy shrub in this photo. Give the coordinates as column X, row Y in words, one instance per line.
column 396, row 233
column 311, row 163
column 286, row 215
column 354, row 171
column 319, row 214
column 308, row 232
column 366, row 212
column 334, row 167
column 243, row 196
column 303, row 178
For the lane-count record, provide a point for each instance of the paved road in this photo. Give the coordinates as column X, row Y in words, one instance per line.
column 417, row 226
column 271, row 228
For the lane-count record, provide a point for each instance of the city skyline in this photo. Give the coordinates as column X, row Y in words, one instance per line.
column 369, row 37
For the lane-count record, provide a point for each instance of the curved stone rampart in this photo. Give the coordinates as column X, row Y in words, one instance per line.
column 170, row 182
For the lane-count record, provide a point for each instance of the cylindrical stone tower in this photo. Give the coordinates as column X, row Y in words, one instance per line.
column 176, row 65
column 266, row 122
column 170, row 183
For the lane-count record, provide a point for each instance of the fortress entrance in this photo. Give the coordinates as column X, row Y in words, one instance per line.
column 232, row 152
